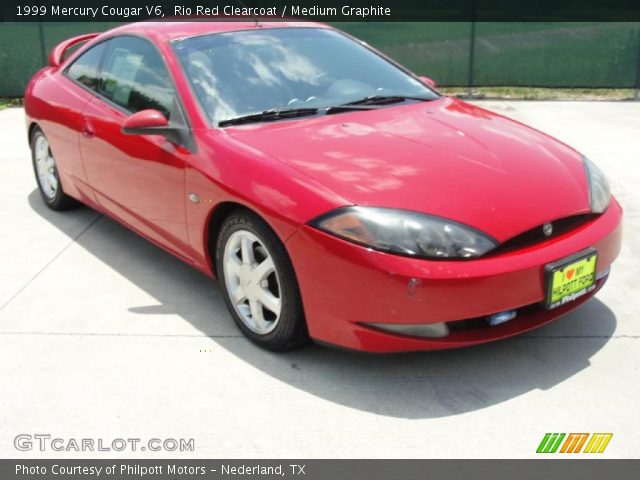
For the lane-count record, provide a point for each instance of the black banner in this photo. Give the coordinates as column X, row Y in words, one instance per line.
column 322, row 10
column 319, row 469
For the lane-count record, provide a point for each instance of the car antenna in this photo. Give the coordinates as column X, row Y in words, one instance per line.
column 253, row 17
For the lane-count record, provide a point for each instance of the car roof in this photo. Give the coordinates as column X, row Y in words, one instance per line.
column 171, row 30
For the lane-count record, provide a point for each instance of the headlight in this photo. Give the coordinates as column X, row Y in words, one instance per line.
column 599, row 192
column 406, row 233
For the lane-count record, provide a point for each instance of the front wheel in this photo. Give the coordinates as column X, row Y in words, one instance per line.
column 258, row 283
column 44, row 166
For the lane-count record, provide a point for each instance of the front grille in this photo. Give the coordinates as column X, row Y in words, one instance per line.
column 483, row 322
column 536, row 234
column 469, row 324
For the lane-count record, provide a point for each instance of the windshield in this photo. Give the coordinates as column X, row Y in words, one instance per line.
column 241, row 73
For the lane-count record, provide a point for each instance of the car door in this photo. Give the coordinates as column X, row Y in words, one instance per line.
column 137, row 179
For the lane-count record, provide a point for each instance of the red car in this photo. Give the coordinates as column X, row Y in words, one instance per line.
column 334, row 194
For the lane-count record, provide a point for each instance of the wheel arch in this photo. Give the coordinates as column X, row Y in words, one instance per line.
column 215, row 220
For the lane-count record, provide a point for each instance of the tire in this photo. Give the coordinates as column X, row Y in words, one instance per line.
column 263, row 297
column 46, row 172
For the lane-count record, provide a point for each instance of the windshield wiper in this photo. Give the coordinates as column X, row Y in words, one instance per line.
column 383, row 100
column 367, row 103
column 371, row 103
column 269, row 116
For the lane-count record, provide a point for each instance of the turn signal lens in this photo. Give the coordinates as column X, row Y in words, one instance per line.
column 599, row 191
column 349, row 227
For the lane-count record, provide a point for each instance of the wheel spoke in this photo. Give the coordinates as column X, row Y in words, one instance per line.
column 52, row 181
column 42, row 168
column 263, row 270
column 244, row 310
column 270, row 301
column 233, row 264
column 257, row 315
column 238, row 295
column 47, row 183
column 247, row 250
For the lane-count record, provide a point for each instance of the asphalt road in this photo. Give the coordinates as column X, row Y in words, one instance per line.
column 103, row 335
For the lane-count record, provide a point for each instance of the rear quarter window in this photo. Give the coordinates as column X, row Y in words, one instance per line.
column 84, row 70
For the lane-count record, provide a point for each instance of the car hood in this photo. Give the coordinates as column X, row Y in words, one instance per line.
column 444, row 157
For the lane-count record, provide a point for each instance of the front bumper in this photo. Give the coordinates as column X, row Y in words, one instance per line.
column 345, row 286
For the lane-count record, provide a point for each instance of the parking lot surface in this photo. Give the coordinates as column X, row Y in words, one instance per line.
column 104, row 336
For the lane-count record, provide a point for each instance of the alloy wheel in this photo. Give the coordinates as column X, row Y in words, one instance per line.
column 252, row 282
column 45, row 168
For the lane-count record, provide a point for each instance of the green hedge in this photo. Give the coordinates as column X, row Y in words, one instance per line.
column 590, row 55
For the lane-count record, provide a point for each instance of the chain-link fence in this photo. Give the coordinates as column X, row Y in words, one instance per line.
column 467, row 54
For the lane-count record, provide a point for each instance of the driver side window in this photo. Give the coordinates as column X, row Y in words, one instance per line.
column 135, row 77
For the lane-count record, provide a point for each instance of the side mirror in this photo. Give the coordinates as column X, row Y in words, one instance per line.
column 146, row 122
column 428, row 82
column 153, row 122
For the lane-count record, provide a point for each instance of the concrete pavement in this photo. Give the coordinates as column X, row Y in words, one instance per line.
column 103, row 335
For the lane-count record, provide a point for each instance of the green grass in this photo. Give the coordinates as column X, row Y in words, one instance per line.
column 532, row 93
column 10, row 102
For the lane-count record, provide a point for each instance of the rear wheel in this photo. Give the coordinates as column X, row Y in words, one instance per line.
column 46, row 171
column 258, row 283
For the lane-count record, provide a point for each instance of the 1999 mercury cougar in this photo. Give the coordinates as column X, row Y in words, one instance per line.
column 335, row 195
